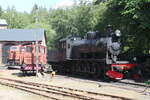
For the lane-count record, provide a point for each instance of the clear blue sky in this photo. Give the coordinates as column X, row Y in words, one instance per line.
column 26, row 5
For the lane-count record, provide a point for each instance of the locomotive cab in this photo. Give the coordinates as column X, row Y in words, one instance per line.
column 29, row 58
column 14, row 55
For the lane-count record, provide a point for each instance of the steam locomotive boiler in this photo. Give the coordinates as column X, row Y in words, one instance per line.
column 93, row 55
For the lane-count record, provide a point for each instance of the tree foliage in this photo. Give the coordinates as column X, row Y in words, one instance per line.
column 132, row 17
column 16, row 19
column 50, row 33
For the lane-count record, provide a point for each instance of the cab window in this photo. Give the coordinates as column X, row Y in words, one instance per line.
column 28, row 49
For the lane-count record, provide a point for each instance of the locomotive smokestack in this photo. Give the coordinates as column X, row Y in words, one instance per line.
column 109, row 30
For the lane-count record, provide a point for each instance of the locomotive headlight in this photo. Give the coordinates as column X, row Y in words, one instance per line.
column 118, row 33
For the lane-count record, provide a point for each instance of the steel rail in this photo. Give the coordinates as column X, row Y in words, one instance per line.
column 51, row 87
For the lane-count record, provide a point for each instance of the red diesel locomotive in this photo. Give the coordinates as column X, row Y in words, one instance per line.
column 25, row 56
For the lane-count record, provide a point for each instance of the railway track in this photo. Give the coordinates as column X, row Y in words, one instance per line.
column 120, row 83
column 138, row 87
column 134, row 84
column 57, row 92
column 125, row 84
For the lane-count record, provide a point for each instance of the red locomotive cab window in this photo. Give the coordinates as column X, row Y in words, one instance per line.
column 29, row 49
column 45, row 50
column 22, row 48
column 14, row 48
column 39, row 49
column 42, row 50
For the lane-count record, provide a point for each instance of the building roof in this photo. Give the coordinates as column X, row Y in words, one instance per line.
column 22, row 34
column 3, row 22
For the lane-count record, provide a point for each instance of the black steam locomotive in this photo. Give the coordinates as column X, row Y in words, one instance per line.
column 94, row 55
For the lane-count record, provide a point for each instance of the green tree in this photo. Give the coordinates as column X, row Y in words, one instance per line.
column 34, row 13
column 1, row 11
column 50, row 33
column 76, row 20
column 133, row 19
column 15, row 19
column 41, row 13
